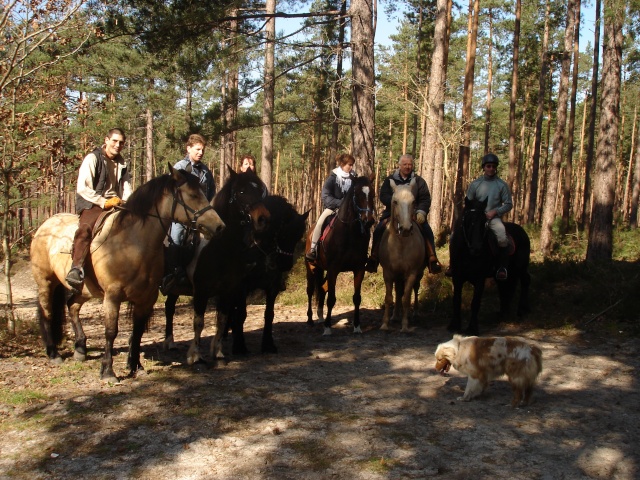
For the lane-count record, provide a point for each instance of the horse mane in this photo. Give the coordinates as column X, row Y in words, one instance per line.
column 142, row 200
column 225, row 196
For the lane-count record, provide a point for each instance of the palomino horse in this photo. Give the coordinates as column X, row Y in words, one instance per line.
column 343, row 249
column 473, row 259
column 402, row 255
column 222, row 263
column 271, row 259
column 124, row 264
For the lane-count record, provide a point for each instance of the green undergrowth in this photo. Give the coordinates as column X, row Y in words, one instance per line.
column 566, row 291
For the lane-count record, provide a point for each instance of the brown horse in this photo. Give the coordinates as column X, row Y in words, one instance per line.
column 125, row 262
column 402, row 254
column 343, row 249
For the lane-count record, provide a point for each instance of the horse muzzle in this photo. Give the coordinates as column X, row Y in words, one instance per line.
column 210, row 224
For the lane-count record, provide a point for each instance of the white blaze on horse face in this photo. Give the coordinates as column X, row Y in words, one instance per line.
column 365, row 190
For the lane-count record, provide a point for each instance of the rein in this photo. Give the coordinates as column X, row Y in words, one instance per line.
column 178, row 200
column 464, row 230
column 359, row 211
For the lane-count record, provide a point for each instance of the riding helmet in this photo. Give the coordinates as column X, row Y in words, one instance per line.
column 490, row 158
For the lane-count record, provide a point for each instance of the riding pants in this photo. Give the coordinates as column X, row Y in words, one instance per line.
column 317, row 230
column 497, row 227
column 84, row 235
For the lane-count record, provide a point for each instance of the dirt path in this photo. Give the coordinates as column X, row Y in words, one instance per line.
column 348, row 406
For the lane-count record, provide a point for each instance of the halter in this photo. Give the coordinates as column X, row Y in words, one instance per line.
column 244, row 209
column 177, row 200
column 359, row 212
column 464, row 230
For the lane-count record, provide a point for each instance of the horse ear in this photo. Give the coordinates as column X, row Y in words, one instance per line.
column 393, row 184
column 467, row 202
column 305, row 215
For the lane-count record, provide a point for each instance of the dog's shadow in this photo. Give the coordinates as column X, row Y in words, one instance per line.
column 497, row 392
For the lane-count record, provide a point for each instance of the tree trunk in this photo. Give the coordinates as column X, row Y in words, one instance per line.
column 633, row 214
column 627, row 188
column 148, row 167
column 337, row 85
column 553, row 180
column 600, row 245
column 269, row 93
column 363, row 71
column 487, row 115
column 511, row 175
column 430, row 144
column 535, row 164
column 462, row 172
column 568, row 172
column 586, row 212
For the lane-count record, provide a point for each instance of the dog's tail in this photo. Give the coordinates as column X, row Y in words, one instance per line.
column 536, row 364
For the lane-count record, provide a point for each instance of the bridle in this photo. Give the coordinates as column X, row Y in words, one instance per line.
column 359, row 211
column 464, row 229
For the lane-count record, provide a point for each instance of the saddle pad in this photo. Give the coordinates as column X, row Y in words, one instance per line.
column 102, row 228
column 328, row 225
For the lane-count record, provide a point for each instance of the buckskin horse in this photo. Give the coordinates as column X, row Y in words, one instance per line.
column 124, row 263
column 472, row 254
column 343, row 249
column 402, row 255
column 222, row 263
column 270, row 259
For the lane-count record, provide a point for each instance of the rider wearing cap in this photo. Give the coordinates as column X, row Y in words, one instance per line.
column 492, row 188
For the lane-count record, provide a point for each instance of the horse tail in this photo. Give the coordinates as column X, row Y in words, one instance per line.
column 58, row 314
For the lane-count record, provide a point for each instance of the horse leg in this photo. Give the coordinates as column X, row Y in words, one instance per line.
column 406, row 301
column 398, row 306
column 51, row 316
column 268, row 345
column 80, row 347
column 357, row 298
column 523, row 303
column 169, row 312
column 199, row 308
column 478, row 290
column 222, row 320
column 111, row 313
column 239, row 315
column 311, row 288
column 388, row 300
column 321, row 295
column 456, row 322
column 331, row 301
column 141, row 316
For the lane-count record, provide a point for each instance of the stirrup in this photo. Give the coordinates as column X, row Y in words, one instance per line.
column 434, row 265
column 448, row 272
column 311, row 255
column 501, row 274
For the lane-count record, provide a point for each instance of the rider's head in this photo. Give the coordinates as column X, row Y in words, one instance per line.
column 490, row 164
column 345, row 161
column 405, row 165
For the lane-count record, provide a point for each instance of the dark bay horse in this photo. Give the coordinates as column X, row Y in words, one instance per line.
column 343, row 249
column 402, row 255
column 125, row 262
column 472, row 255
column 222, row 263
column 270, row 259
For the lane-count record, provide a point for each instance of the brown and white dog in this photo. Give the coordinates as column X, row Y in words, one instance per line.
column 486, row 358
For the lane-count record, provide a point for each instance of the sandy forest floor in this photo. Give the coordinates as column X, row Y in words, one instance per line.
column 348, row 406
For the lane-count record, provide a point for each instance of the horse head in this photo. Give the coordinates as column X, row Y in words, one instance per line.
column 287, row 227
column 362, row 196
column 403, row 206
column 241, row 200
column 474, row 225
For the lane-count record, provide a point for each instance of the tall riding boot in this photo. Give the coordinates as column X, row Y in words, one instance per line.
column 503, row 263
column 174, row 271
column 432, row 263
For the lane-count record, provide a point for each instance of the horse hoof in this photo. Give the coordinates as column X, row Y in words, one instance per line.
column 384, row 327
column 327, row 332
column 56, row 360
column 200, row 366
column 169, row 344
column 79, row 357
column 357, row 329
column 110, row 379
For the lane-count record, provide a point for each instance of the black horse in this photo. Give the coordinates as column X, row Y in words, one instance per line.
column 472, row 253
column 344, row 249
column 270, row 259
column 221, row 264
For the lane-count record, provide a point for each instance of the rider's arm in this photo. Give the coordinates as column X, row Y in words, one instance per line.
column 328, row 189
